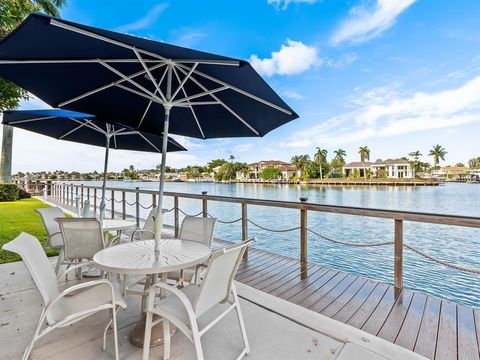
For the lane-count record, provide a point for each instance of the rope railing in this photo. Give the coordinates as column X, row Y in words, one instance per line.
column 402, row 216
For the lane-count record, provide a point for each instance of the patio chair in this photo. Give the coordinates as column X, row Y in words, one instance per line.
column 148, row 230
column 54, row 235
column 183, row 307
column 195, row 229
column 61, row 309
column 83, row 238
column 86, row 211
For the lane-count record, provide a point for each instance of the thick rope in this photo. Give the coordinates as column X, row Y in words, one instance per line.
column 441, row 262
column 184, row 213
column 347, row 243
column 273, row 230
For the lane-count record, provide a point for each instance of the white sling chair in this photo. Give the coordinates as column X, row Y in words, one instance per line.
column 183, row 307
column 195, row 229
column 69, row 306
column 86, row 211
column 54, row 235
column 148, row 230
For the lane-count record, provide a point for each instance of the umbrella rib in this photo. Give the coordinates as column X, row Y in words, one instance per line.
column 72, row 130
column 139, row 94
column 188, row 102
column 75, row 61
column 149, row 142
column 137, row 54
column 90, row 125
column 182, row 83
column 112, row 69
column 204, row 93
column 91, row 92
column 150, row 102
column 243, row 92
column 223, row 104
column 30, row 120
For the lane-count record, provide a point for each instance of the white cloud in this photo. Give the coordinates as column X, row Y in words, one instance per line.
column 293, row 58
column 145, row 21
column 243, row 148
column 395, row 115
column 189, row 38
column 291, row 94
column 278, row 3
column 367, row 22
column 343, row 61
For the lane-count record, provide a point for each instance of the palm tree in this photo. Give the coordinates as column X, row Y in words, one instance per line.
column 301, row 162
column 438, row 152
column 231, row 158
column 321, row 157
column 340, row 155
column 13, row 12
column 364, row 153
column 415, row 163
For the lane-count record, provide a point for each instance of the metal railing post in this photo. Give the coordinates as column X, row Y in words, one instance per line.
column 113, row 203
column 245, row 228
column 124, row 210
column 95, row 200
column 303, row 241
column 204, row 204
column 154, row 200
column 71, row 194
column 398, row 257
column 176, row 215
column 81, row 194
column 137, row 206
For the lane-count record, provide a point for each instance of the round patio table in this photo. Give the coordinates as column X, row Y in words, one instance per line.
column 117, row 225
column 138, row 258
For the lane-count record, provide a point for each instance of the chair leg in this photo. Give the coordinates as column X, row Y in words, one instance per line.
column 197, row 341
column 115, row 335
column 29, row 348
column 240, row 321
column 166, row 339
column 148, row 333
column 59, row 261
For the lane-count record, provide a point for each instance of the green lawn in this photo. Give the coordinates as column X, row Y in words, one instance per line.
column 19, row 216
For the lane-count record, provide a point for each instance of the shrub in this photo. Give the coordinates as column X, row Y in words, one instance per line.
column 9, row 192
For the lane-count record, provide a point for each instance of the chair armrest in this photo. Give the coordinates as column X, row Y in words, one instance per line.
column 80, row 287
column 75, row 267
column 141, row 231
column 175, row 291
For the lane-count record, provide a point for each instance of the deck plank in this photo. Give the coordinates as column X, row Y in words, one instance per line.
column 313, row 278
column 408, row 334
column 361, row 316
column 352, row 306
column 334, row 293
column 467, row 335
column 343, row 299
column 447, row 332
column 427, row 335
column 393, row 323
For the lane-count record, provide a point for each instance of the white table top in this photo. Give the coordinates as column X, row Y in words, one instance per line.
column 118, row 224
column 138, row 257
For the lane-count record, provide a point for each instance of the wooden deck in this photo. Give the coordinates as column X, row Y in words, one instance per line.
column 434, row 328
column 437, row 329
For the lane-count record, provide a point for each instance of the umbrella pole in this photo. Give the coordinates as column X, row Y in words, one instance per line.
column 167, row 106
column 104, row 183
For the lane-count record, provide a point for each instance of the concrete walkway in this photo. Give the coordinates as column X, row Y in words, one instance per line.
column 276, row 329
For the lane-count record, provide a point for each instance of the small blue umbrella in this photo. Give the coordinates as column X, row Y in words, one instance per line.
column 148, row 85
column 87, row 129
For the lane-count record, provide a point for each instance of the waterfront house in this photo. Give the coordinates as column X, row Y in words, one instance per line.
column 392, row 168
column 451, row 171
column 287, row 170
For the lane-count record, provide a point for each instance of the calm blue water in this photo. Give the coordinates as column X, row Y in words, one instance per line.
column 454, row 244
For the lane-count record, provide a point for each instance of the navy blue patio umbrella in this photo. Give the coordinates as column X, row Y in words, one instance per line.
column 148, row 85
column 87, row 129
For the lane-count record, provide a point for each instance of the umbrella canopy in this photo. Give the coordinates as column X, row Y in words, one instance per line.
column 86, row 129
column 125, row 78
column 138, row 82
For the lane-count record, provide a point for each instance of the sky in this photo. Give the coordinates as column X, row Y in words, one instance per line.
column 394, row 75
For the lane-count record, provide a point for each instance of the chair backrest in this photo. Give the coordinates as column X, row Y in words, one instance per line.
column 36, row 261
column 198, row 229
column 83, row 237
column 86, row 212
column 149, row 225
column 54, row 235
column 217, row 283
